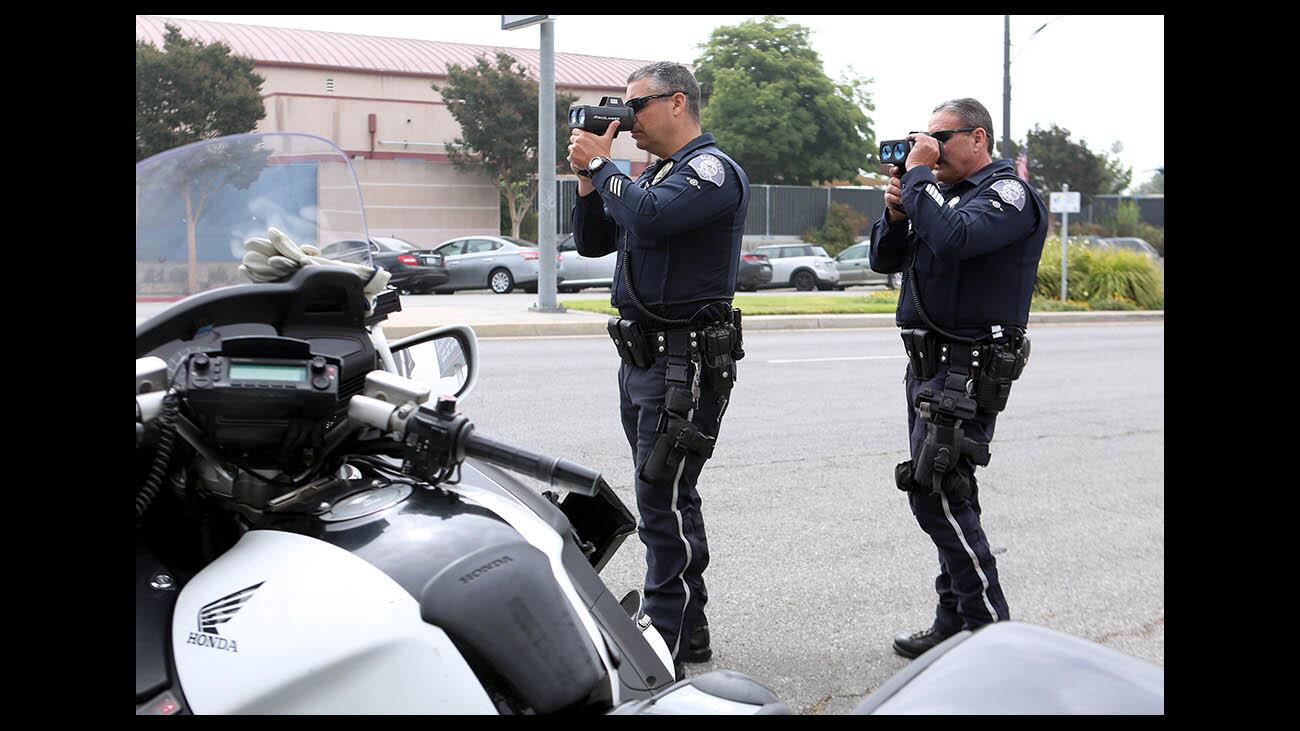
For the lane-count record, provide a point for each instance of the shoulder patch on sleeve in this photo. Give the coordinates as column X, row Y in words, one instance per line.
column 1012, row 192
column 709, row 168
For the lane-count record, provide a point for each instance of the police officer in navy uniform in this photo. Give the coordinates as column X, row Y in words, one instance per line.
column 970, row 233
column 677, row 229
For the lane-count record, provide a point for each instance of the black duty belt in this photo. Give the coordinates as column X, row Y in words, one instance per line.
column 986, row 369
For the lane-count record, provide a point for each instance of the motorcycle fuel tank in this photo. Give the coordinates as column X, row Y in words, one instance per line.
column 285, row 623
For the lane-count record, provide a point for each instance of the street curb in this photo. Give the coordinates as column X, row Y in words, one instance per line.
column 768, row 322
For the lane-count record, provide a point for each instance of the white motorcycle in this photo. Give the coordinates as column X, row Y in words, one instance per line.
column 319, row 530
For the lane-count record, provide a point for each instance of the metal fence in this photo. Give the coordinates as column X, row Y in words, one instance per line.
column 1151, row 208
column 774, row 210
column 790, row 210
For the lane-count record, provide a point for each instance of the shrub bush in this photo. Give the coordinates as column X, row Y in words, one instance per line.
column 1125, row 274
column 1044, row 304
column 1100, row 277
column 1113, row 302
column 1154, row 235
column 840, row 231
column 1048, row 284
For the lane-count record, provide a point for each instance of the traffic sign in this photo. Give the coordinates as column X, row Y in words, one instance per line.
column 510, row 22
column 1064, row 202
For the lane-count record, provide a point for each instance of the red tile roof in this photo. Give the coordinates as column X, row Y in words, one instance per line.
column 349, row 52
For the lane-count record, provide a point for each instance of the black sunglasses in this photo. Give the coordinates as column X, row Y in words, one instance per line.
column 944, row 135
column 639, row 103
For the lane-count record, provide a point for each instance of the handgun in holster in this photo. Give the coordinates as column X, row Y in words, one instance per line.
column 675, row 436
column 945, row 444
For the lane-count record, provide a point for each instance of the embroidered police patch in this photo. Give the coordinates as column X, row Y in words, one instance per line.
column 1011, row 192
column 709, row 168
column 663, row 172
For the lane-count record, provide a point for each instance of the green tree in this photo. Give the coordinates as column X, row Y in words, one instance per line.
column 193, row 176
column 496, row 108
column 771, row 106
column 1155, row 185
column 1055, row 159
column 190, row 91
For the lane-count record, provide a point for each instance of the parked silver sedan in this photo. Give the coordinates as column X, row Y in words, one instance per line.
column 499, row 263
column 578, row 271
column 854, row 265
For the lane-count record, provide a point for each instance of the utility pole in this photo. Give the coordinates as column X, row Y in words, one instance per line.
column 546, row 172
column 1006, row 87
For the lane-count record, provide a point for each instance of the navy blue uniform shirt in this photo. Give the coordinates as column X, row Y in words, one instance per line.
column 977, row 244
column 677, row 229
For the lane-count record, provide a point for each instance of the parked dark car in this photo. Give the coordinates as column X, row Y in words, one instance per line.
column 755, row 271
column 413, row 270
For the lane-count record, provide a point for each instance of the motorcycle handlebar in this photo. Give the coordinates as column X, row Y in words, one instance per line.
column 551, row 470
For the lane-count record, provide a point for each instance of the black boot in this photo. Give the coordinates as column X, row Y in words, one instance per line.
column 698, row 650
column 914, row 644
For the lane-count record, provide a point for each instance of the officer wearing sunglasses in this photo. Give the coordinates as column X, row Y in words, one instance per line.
column 677, row 228
column 968, row 234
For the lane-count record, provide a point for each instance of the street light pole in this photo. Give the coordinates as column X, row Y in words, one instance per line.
column 1006, row 78
column 1006, row 87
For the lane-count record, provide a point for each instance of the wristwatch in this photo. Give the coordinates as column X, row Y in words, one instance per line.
column 594, row 165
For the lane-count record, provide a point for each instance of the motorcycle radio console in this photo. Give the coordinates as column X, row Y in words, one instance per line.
column 254, row 388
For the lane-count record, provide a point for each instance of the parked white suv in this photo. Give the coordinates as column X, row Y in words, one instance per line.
column 800, row 265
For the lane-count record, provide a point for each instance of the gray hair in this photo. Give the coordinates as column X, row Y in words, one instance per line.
column 668, row 76
column 971, row 113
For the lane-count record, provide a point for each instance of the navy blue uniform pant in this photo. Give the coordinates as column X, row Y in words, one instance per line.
column 969, row 593
column 670, row 525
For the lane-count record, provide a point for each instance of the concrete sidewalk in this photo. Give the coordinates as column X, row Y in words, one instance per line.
column 510, row 316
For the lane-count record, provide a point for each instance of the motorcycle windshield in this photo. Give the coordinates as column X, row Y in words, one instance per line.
column 196, row 205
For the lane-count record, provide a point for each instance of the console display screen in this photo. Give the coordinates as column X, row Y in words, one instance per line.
column 252, row 372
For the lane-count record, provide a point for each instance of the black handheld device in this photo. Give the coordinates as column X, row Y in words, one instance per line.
column 895, row 152
column 596, row 119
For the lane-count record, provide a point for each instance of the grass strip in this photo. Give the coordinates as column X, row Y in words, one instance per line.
column 885, row 301
column 761, row 304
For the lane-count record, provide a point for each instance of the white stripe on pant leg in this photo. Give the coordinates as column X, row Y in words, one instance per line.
column 961, row 537
column 681, row 532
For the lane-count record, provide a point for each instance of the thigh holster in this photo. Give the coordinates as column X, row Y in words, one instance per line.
column 675, row 434
column 937, row 464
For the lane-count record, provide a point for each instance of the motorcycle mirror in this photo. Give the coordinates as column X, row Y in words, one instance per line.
column 445, row 358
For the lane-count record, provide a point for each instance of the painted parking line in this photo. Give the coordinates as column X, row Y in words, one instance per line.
column 854, row 357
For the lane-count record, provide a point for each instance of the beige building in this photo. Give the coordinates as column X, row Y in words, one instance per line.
column 373, row 97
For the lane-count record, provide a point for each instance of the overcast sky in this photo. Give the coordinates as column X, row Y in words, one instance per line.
column 1099, row 76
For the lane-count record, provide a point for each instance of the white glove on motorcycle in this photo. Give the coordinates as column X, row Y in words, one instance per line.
column 277, row 256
